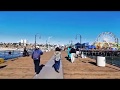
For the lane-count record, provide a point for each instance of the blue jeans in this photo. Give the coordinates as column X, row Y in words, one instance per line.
column 36, row 66
column 57, row 65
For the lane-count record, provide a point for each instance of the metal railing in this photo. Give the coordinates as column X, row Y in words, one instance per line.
column 112, row 57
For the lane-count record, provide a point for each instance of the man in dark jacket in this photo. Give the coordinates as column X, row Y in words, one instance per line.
column 36, row 58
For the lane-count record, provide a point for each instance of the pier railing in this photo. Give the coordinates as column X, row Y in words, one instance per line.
column 112, row 57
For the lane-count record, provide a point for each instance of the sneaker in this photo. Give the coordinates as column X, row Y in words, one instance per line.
column 57, row 71
column 36, row 75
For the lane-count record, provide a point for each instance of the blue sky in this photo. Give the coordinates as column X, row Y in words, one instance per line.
column 61, row 25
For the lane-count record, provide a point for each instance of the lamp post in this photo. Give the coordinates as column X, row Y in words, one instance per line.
column 117, row 42
column 46, row 43
column 49, row 41
column 70, row 42
column 35, row 39
column 80, row 38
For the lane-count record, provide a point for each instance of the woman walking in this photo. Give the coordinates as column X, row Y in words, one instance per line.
column 57, row 58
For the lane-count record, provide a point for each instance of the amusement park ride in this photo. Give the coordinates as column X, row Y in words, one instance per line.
column 107, row 40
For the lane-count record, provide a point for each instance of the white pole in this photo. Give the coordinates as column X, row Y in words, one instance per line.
column 49, row 41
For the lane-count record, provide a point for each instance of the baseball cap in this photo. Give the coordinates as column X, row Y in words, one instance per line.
column 37, row 47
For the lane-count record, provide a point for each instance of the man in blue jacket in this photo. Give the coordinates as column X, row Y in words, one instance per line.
column 36, row 58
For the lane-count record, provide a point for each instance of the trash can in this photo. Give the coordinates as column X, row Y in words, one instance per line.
column 101, row 61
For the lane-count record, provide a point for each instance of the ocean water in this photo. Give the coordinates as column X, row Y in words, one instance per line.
column 14, row 54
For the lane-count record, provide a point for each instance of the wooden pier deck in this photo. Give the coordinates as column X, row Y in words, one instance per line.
column 23, row 68
column 87, row 69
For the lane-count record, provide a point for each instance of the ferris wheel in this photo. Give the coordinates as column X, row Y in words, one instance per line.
column 108, row 37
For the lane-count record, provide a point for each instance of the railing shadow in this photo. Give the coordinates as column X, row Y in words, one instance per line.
column 113, row 68
column 14, row 59
column 93, row 63
column 68, row 59
column 3, row 66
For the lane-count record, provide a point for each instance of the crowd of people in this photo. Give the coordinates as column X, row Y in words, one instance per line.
column 71, row 51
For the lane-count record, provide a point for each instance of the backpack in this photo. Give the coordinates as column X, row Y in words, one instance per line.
column 57, row 56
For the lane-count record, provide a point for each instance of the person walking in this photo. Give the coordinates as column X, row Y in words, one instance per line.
column 73, row 52
column 68, row 52
column 25, row 52
column 36, row 56
column 57, row 58
column 77, row 52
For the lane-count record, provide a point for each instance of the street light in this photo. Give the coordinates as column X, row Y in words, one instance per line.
column 49, row 41
column 80, row 38
column 70, row 42
column 35, row 39
column 117, row 42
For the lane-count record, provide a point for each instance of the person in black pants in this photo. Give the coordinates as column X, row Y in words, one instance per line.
column 36, row 59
